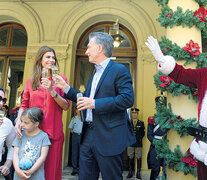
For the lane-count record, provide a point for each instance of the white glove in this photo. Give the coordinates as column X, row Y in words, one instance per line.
column 153, row 45
column 199, row 150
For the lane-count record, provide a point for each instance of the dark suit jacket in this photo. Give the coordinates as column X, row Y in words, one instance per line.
column 139, row 131
column 111, row 124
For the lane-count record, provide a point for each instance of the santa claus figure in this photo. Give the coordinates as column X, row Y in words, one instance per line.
column 196, row 78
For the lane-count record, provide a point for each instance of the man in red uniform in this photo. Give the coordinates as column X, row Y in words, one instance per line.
column 196, row 78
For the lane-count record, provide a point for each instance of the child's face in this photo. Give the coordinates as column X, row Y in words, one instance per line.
column 28, row 125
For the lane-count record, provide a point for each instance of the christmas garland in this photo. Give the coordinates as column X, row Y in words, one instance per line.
column 190, row 53
column 164, row 83
column 165, row 2
column 175, row 160
column 168, row 48
column 170, row 18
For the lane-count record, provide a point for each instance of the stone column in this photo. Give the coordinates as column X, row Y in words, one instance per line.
column 181, row 105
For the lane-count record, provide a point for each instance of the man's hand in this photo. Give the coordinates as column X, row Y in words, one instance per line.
column 153, row 45
column 85, row 103
column 60, row 82
column 4, row 170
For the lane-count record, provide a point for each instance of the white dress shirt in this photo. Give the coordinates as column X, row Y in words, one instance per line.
column 99, row 71
column 7, row 133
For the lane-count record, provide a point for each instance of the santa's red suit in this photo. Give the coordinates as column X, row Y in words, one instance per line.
column 190, row 77
column 196, row 78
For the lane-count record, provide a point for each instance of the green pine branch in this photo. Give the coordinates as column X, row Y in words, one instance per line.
column 164, row 116
column 165, row 2
column 180, row 18
column 173, row 158
column 172, row 49
column 167, row 120
column 174, row 88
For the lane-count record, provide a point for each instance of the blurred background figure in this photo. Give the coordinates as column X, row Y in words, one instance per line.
column 155, row 133
column 7, row 135
column 135, row 150
column 5, row 108
column 154, row 163
column 14, row 111
column 75, row 127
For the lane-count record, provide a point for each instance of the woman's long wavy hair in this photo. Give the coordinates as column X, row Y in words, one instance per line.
column 37, row 69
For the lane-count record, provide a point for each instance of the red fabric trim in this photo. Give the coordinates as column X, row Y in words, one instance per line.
column 151, row 119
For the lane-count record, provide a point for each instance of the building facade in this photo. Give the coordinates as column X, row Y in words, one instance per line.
column 26, row 25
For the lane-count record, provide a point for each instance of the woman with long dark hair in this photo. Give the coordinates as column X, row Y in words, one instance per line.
column 41, row 92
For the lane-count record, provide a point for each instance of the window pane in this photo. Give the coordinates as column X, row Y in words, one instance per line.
column 19, row 38
column 4, row 33
column 86, row 70
column 86, row 41
column 14, row 81
column 121, row 40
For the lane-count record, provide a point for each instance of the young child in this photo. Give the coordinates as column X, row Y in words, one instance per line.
column 31, row 150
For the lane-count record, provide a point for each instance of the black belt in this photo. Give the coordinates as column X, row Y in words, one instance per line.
column 198, row 132
column 77, row 133
column 89, row 125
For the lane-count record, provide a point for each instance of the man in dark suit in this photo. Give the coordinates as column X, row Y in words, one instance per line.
column 107, row 130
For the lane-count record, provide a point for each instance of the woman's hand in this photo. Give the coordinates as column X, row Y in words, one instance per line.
column 47, row 84
column 18, row 127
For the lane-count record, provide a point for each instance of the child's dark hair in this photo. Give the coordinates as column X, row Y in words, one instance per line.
column 6, row 107
column 35, row 114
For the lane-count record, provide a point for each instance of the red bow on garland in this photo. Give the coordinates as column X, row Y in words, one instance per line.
column 201, row 14
column 166, row 79
column 169, row 15
column 179, row 119
column 189, row 159
column 193, row 48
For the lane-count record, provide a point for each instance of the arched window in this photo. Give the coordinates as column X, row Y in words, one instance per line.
column 13, row 43
column 125, row 52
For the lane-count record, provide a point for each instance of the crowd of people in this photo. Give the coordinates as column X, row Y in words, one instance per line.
column 34, row 145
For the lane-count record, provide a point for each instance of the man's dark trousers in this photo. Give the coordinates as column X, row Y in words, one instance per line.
column 75, row 151
column 92, row 162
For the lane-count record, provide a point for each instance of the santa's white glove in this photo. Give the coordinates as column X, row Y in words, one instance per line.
column 199, row 151
column 153, row 45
